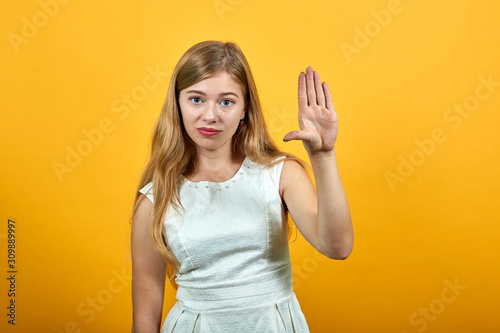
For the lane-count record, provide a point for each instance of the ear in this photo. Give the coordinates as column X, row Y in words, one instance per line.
column 243, row 114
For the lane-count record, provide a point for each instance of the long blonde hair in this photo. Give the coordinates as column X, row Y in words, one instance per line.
column 173, row 153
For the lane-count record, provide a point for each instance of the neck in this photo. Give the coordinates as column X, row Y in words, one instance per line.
column 217, row 160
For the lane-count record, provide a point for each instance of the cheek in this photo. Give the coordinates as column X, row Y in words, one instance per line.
column 186, row 121
column 185, row 113
column 234, row 116
column 234, row 123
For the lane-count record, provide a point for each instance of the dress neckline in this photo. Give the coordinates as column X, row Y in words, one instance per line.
column 240, row 169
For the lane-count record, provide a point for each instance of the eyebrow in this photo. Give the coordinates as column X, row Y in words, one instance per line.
column 202, row 93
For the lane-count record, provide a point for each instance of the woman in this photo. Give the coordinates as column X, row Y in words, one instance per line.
column 218, row 193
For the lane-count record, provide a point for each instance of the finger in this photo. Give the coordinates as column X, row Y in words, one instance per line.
column 328, row 97
column 311, row 94
column 302, row 90
column 320, row 96
column 295, row 135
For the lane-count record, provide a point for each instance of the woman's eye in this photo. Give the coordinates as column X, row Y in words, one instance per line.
column 226, row 102
column 196, row 100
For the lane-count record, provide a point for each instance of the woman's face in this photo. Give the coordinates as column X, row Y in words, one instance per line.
column 211, row 111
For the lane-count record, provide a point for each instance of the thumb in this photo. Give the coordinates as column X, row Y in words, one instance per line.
column 295, row 135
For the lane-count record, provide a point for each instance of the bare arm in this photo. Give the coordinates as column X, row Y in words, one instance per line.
column 148, row 273
column 323, row 217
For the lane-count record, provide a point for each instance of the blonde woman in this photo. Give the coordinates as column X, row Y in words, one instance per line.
column 211, row 206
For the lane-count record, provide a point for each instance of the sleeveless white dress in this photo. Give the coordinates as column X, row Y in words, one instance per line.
column 235, row 272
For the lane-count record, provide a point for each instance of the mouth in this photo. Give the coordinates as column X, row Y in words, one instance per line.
column 207, row 131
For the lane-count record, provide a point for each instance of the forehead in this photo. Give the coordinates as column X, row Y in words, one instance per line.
column 216, row 84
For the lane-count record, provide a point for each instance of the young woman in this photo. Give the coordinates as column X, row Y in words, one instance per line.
column 211, row 207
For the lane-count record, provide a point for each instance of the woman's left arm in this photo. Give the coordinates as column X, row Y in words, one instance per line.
column 322, row 216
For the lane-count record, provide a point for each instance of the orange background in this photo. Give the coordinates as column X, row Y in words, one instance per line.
column 417, row 151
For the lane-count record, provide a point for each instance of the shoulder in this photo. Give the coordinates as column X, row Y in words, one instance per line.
column 143, row 213
column 293, row 175
column 147, row 190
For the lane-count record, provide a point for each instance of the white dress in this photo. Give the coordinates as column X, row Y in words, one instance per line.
column 235, row 272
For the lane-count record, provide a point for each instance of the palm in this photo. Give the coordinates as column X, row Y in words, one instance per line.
column 317, row 118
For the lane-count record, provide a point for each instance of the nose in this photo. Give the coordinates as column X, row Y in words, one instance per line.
column 210, row 113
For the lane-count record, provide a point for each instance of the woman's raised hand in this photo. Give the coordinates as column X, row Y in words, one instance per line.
column 317, row 118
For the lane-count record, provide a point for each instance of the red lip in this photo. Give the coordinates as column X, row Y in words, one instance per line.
column 206, row 131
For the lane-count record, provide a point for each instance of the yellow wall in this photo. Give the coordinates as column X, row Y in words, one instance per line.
column 416, row 85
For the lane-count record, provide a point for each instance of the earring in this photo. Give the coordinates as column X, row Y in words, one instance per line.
column 242, row 121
